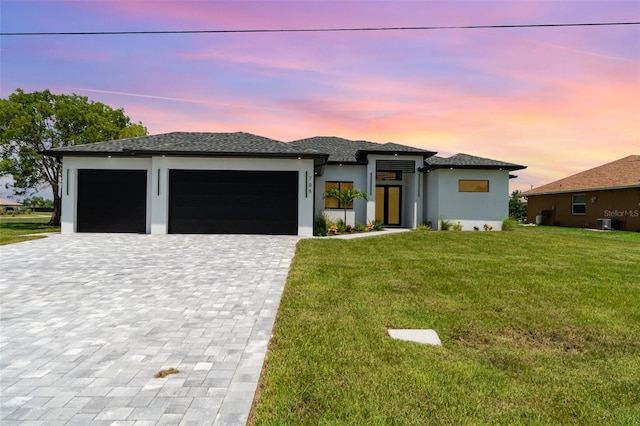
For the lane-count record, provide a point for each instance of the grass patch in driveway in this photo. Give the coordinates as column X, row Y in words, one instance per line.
column 14, row 229
column 538, row 326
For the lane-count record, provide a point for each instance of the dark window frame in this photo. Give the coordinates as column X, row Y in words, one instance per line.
column 334, row 200
column 578, row 208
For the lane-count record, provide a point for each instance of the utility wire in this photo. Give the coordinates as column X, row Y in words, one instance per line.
column 321, row 30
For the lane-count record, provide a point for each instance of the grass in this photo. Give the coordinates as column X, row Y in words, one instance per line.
column 18, row 228
column 539, row 326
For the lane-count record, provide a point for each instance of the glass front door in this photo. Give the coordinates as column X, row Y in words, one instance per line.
column 388, row 203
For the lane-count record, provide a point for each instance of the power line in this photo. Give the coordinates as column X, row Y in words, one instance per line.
column 322, row 30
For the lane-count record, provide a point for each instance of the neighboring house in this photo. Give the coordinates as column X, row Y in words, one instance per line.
column 605, row 197
column 6, row 204
column 248, row 184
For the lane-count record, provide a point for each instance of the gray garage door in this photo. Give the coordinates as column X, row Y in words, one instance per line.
column 233, row 202
column 112, row 201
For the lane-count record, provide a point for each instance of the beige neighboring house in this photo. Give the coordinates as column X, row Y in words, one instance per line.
column 6, row 204
column 605, row 197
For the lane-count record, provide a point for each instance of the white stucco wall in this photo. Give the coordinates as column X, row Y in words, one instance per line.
column 412, row 189
column 345, row 173
column 158, row 183
column 469, row 208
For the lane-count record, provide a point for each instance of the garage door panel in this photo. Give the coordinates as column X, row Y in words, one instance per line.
column 112, row 201
column 224, row 202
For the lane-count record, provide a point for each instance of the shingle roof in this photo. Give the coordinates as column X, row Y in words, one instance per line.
column 465, row 161
column 622, row 173
column 348, row 151
column 190, row 143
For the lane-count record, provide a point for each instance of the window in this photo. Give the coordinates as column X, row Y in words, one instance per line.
column 578, row 204
column 332, row 203
column 391, row 175
column 465, row 185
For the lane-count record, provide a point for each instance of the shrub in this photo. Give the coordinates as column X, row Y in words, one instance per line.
column 321, row 225
column 423, row 227
column 342, row 227
column 509, row 223
column 445, row 225
column 375, row 225
column 360, row 228
column 457, row 227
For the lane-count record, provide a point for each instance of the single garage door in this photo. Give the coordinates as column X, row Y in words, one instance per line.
column 112, row 201
column 233, row 202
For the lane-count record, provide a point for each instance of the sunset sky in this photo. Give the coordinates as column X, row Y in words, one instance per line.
column 559, row 100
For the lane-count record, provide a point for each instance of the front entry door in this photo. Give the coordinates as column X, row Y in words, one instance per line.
column 388, row 200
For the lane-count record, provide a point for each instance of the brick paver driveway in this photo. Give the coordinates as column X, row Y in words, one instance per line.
column 87, row 320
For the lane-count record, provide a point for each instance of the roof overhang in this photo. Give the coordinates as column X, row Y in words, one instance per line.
column 430, row 167
column 573, row 191
column 148, row 154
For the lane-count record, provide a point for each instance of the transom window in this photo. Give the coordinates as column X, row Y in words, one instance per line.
column 578, row 204
column 468, row 185
column 332, row 203
column 389, row 175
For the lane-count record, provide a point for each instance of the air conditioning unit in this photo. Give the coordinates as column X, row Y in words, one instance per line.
column 603, row 223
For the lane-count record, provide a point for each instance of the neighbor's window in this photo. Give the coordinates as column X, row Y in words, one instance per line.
column 578, row 204
column 332, row 203
column 465, row 185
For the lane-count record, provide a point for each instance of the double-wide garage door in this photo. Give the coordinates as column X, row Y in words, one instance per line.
column 200, row 201
column 233, row 202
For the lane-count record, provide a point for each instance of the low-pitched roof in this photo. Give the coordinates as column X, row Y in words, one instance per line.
column 5, row 202
column 191, row 143
column 622, row 173
column 465, row 161
column 347, row 151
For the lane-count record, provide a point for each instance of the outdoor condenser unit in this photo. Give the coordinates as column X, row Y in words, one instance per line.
column 603, row 223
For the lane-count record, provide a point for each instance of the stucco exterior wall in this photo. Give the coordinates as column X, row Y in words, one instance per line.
column 412, row 189
column 469, row 208
column 158, row 183
column 344, row 173
column 622, row 206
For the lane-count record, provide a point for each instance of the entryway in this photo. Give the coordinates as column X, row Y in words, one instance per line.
column 388, row 204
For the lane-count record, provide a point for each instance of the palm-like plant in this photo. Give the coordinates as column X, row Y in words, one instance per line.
column 345, row 197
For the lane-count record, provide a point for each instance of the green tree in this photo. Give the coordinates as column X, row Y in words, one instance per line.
column 345, row 197
column 34, row 122
column 37, row 203
column 517, row 209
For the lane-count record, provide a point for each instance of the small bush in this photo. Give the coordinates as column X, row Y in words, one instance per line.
column 375, row 225
column 342, row 227
column 360, row 228
column 321, row 225
column 445, row 225
column 509, row 223
column 457, row 227
column 423, row 227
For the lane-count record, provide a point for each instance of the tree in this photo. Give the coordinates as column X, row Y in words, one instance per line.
column 34, row 122
column 517, row 209
column 345, row 197
column 37, row 203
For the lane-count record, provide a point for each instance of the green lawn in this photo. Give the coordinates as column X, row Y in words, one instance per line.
column 18, row 228
column 539, row 326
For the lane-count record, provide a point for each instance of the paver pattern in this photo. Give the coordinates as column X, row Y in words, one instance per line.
column 88, row 319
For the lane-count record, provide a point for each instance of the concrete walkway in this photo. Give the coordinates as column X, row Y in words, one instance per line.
column 87, row 320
